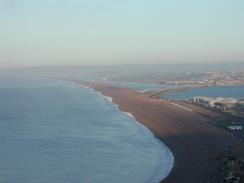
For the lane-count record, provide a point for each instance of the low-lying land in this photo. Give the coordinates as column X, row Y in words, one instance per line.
column 195, row 144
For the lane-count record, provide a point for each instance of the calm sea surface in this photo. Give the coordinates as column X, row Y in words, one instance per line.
column 228, row 91
column 57, row 132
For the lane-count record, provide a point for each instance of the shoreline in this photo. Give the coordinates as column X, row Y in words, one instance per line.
column 167, row 93
column 194, row 143
column 170, row 157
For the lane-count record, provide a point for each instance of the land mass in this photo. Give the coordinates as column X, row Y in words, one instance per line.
column 194, row 143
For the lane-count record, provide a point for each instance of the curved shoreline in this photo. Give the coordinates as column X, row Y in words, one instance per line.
column 194, row 143
column 169, row 162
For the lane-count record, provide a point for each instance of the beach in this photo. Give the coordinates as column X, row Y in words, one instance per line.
column 46, row 124
column 194, row 143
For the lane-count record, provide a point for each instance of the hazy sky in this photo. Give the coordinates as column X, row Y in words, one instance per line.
column 50, row 32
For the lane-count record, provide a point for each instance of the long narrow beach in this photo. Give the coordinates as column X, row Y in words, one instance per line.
column 194, row 143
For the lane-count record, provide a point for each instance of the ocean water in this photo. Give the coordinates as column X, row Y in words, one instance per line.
column 58, row 132
column 220, row 91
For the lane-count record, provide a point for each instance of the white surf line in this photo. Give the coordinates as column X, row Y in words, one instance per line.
column 180, row 106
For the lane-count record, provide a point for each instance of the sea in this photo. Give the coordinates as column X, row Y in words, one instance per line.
column 214, row 92
column 58, row 132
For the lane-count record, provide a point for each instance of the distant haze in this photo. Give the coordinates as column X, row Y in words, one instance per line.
column 96, row 32
column 140, row 72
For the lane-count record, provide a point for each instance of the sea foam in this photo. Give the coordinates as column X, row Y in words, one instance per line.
column 168, row 158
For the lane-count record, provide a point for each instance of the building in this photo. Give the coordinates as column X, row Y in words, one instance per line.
column 205, row 101
column 220, row 103
column 235, row 128
column 226, row 103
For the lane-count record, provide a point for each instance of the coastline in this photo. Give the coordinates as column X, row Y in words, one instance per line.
column 169, row 164
column 168, row 155
column 194, row 143
column 175, row 94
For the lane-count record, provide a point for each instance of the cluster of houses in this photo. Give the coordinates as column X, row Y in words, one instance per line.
column 220, row 102
column 223, row 104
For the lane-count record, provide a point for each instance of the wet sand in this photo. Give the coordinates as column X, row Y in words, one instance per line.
column 194, row 143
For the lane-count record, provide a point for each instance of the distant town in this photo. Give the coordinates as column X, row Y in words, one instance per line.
column 182, row 79
column 204, row 79
column 229, row 111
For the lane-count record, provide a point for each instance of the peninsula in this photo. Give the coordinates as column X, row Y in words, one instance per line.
column 194, row 143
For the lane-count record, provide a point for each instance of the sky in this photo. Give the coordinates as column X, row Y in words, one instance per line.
column 103, row 32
